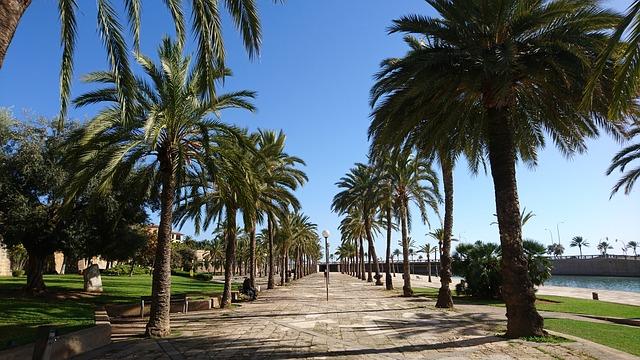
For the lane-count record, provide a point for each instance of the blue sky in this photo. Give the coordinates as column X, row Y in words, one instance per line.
column 313, row 79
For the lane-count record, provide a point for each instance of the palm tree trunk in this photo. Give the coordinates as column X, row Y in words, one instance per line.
column 159, row 321
column 252, row 255
column 429, row 266
column 388, row 278
column 35, row 271
column 406, row 289
column 287, row 272
column 363, row 275
column 372, row 254
column 230, row 255
column 271, row 281
column 444, row 294
column 517, row 290
column 11, row 12
column 357, row 259
column 282, row 270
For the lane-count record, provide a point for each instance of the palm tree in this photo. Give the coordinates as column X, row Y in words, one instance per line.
column 352, row 227
column 489, row 72
column 277, row 177
column 205, row 28
column 384, row 165
column 397, row 254
column 622, row 159
column 361, row 192
column 603, row 246
column 427, row 249
column 633, row 245
column 414, row 182
column 579, row 241
column 555, row 250
column 167, row 139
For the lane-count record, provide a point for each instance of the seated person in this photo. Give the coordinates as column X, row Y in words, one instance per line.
column 248, row 290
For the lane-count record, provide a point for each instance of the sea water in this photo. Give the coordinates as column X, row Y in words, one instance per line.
column 596, row 282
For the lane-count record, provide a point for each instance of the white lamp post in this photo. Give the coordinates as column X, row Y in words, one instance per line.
column 325, row 235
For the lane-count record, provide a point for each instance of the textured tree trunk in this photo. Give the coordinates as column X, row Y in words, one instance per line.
column 372, row 254
column 388, row 278
column 406, row 288
column 252, row 255
column 230, row 255
column 444, row 294
column 271, row 281
column 287, row 270
column 35, row 270
column 363, row 275
column 11, row 12
column 429, row 267
column 281, row 270
column 159, row 321
column 517, row 290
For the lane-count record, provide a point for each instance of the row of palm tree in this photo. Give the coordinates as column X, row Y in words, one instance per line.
column 492, row 81
column 195, row 166
column 377, row 195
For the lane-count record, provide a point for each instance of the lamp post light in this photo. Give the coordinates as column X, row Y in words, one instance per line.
column 550, row 234
column 325, row 235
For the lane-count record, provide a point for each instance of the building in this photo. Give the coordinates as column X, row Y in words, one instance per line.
column 5, row 262
column 175, row 236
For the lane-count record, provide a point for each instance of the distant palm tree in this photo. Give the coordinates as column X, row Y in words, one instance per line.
column 555, row 250
column 169, row 137
column 633, row 245
column 603, row 246
column 579, row 242
column 427, row 249
column 397, row 254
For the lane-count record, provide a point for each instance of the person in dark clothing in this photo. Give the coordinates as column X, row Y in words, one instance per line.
column 248, row 290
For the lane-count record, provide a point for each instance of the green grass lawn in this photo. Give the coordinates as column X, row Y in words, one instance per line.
column 621, row 337
column 67, row 309
column 555, row 303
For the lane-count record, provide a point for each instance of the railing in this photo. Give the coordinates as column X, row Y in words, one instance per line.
column 585, row 257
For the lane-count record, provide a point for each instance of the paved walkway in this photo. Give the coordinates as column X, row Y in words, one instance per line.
column 360, row 321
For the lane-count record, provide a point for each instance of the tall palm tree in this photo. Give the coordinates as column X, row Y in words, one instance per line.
column 397, row 254
column 414, row 182
column 360, row 191
column 384, row 165
column 279, row 178
column 352, row 228
column 206, row 28
column 492, row 72
column 579, row 241
column 603, row 246
column 167, row 139
column 427, row 249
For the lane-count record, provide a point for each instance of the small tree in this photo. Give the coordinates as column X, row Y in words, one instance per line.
column 579, row 241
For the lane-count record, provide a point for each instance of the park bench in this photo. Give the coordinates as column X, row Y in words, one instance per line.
column 180, row 298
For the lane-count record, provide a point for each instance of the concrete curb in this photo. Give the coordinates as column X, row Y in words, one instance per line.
column 71, row 344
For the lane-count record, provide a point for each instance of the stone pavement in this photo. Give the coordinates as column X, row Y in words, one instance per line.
column 360, row 321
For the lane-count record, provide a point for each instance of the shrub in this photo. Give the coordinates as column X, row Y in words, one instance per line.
column 204, row 276
column 479, row 265
column 125, row 269
column 17, row 272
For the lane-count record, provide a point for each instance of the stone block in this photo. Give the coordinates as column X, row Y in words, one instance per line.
column 92, row 279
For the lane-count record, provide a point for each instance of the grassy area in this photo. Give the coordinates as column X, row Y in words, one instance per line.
column 65, row 307
column 621, row 337
column 555, row 303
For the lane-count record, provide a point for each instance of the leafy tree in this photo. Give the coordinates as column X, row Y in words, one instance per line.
column 493, row 73
column 555, row 250
column 166, row 141
column 579, row 241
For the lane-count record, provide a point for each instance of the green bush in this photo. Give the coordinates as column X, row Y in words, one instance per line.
column 17, row 272
column 204, row 276
column 179, row 272
column 479, row 265
column 124, row 269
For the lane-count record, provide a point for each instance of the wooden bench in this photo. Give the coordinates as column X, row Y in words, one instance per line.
column 180, row 298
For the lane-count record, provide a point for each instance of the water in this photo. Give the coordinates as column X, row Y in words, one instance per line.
column 597, row 282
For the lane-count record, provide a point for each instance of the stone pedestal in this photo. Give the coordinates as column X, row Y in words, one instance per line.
column 92, row 279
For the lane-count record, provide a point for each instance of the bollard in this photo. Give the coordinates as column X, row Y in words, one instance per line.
column 594, row 295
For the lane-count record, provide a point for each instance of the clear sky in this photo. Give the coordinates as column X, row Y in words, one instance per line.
column 313, row 79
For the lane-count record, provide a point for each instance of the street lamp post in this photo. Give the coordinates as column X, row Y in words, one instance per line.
column 550, row 234
column 325, row 234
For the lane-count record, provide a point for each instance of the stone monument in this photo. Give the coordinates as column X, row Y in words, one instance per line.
column 92, row 279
